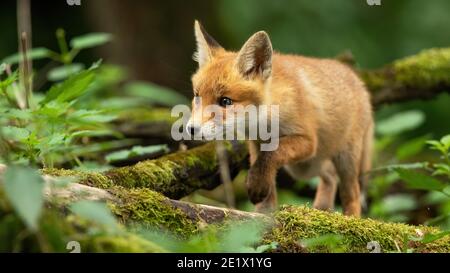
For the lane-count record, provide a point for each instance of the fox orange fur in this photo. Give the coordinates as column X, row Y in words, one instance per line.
column 326, row 122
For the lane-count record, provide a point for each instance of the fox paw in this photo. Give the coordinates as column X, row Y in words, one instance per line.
column 257, row 187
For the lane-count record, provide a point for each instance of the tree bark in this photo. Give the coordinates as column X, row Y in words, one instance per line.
column 420, row 76
column 290, row 227
column 175, row 175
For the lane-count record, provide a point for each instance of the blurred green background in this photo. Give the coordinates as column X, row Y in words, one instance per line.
column 154, row 41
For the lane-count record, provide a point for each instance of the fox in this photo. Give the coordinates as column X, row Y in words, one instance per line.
column 325, row 117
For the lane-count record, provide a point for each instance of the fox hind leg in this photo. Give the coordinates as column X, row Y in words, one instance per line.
column 326, row 190
column 347, row 164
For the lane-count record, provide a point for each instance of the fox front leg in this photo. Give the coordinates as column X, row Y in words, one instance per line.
column 261, row 185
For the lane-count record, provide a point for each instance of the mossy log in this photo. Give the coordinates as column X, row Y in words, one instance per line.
column 289, row 227
column 175, row 175
column 419, row 76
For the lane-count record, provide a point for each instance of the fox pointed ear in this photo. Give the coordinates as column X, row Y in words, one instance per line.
column 206, row 45
column 255, row 56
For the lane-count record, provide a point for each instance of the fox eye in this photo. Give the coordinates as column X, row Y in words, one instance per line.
column 224, row 101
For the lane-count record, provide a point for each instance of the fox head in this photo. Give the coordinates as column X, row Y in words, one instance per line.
column 226, row 81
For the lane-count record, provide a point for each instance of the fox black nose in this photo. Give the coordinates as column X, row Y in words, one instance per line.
column 193, row 130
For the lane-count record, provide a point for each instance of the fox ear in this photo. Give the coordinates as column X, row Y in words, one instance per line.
column 206, row 45
column 255, row 56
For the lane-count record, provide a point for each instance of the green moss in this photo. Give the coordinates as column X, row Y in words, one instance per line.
column 174, row 175
column 93, row 179
column 56, row 229
column 374, row 80
column 294, row 224
column 429, row 68
column 151, row 209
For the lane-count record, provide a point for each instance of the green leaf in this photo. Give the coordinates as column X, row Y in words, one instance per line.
column 267, row 247
column 22, row 114
column 9, row 80
column 62, row 72
column 239, row 237
column 420, row 181
column 328, row 240
column 23, row 187
column 400, row 122
column 429, row 238
column 2, row 68
column 434, row 143
column 91, row 116
column 446, row 141
column 136, row 151
column 446, row 191
column 155, row 94
column 72, row 88
column 441, row 169
column 434, row 198
column 92, row 133
column 15, row 133
column 411, row 148
column 398, row 203
column 33, row 54
column 90, row 40
column 94, row 211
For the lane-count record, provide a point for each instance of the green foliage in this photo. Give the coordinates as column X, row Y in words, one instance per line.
column 90, row 40
column 47, row 132
column 234, row 236
column 400, row 122
column 96, row 212
column 24, row 189
column 155, row 94
column 331, row 242
column 136, row 151
column 71, row 88
column 61, row 72
column 33, row 54
column 394, row 207
column 416, row 180
column 411, row 147
column 433, row 177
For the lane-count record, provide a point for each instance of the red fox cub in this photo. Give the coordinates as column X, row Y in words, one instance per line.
column 325, row 117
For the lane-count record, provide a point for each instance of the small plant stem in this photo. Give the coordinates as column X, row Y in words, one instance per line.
column 61, row 37
column 24, row 35
column 225, row 174
column 26, row 71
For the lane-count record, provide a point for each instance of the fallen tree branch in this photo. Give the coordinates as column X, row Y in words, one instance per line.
column 420, row 76
column 175, row 175
column 289, row 227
